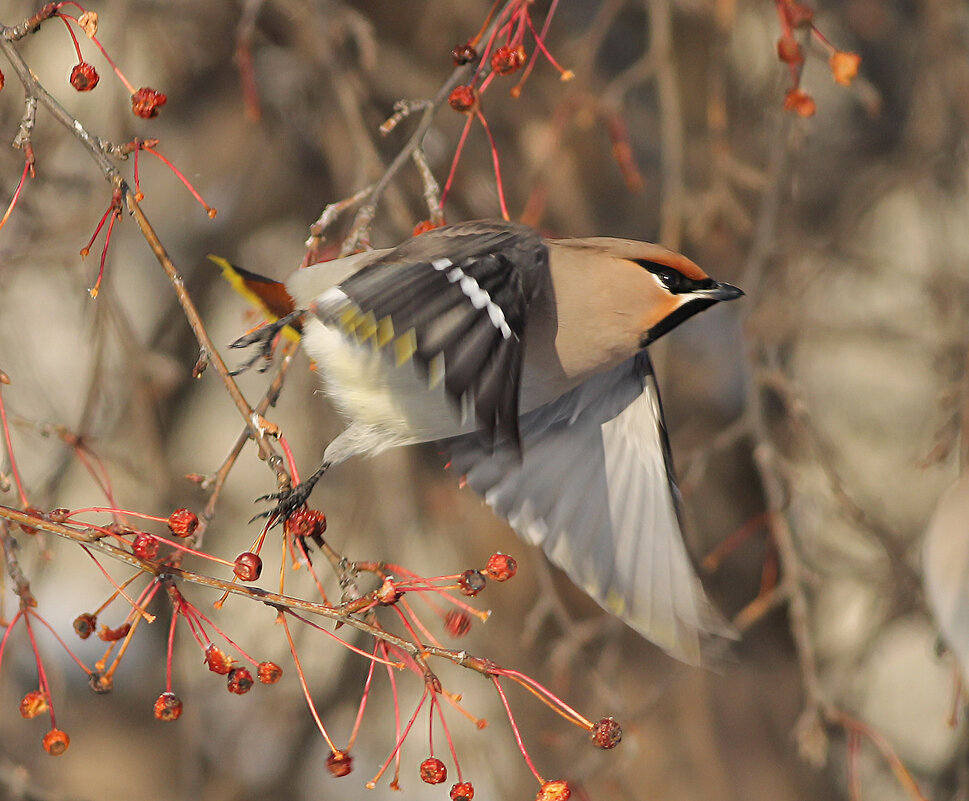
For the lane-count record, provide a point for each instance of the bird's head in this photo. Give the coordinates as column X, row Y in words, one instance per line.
column 674, row 289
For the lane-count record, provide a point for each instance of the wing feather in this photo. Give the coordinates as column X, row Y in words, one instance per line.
column 460, row 294
column 594, row 489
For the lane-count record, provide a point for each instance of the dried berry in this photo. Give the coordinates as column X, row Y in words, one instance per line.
column 463, row 54
column 844, row 66
column 85, row 625
column 789, row 51
column 269, row 672
column 433, row 771
column 239, row 681
column 33, row 511
column 556, row 790
column 506, row 60
column 88, row 22
column 145, row 546
column 463, row 99
column 339, row 763
column 607, row 733
column 183, row 522
column 306, row 524
column 168, row 706
column 59, row 515
column 799, row 15
column 471, row 582
column 501, row 567
column 457, row 623
column 56, row 742
column 146, row 101
column 33, row 704
column 100, row 683
column 248, row 566
column 113, row 635
column 217, row 660
column 84, row 77
column 800, row 102
column 462, row 791
column 387, row 594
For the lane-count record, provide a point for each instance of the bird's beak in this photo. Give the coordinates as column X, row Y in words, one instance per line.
column 719, row 292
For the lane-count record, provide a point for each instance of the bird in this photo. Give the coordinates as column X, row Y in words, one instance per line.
column 525, row 360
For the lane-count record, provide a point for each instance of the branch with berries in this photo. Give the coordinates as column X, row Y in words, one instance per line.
column 165, row 553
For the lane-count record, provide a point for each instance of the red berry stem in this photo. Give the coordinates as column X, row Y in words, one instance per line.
column 302, row 682
column 515, row 731
column 400, row 741
column 41, row 673
column 70, row 30
column 178, row 173
column 118, row 589
column 16, row 194
column 13, row 462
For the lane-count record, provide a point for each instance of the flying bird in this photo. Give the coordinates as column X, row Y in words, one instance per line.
column 525, row 359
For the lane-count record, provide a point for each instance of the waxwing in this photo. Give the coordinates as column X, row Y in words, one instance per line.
column 525, row 359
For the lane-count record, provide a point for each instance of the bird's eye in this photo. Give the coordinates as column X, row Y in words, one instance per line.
column 671, row 278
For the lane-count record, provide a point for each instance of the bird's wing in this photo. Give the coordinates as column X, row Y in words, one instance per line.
column 454, row 300
column 595, row 489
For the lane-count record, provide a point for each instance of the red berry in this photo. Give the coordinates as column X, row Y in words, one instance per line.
column 33, row 704
column 248, row 566
column 269, row 672
column 463, row 791
column 145, row 546
column 33, row 511
column 607, row 733
column 471, row 582
column 168, row 706
column 555, row 790
column 84, row 77
column 217, row 660
column 501, row 567
column 56, row 742
column 506, row 60
column 339, row 763
column 433, row 771
column 463, row 54
column 239, row 681
column 183, row 522
column 2, row 80
column 305, row 523
column 457, row 623
column 85, row 625
column 145, row 102
column 463, row 99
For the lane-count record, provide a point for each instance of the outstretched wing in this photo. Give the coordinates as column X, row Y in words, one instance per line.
column 595, row 489
column 454, row 300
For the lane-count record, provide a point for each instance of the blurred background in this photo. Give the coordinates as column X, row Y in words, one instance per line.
column 820, row 415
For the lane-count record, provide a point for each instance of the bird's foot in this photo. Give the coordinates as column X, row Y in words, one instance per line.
column 290, row 500
column 264, row 337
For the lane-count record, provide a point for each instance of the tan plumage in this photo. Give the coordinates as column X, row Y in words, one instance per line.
column 532, row 373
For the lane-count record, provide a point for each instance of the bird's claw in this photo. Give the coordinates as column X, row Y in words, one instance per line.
column 289, row 500
column 263, row 337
